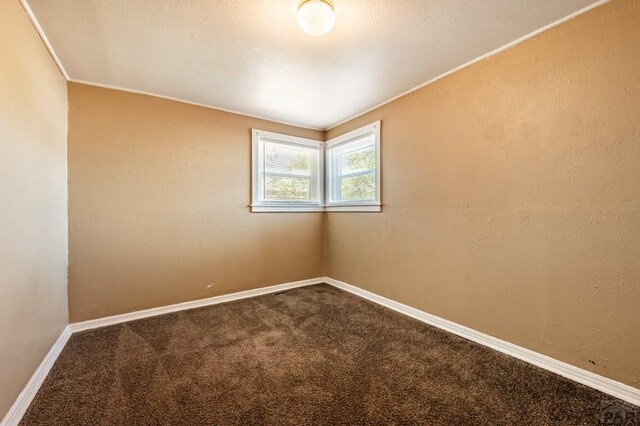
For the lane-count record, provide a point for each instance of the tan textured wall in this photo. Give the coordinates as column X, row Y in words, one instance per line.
column 33, row 202
column 511, row 196
column 158, row 198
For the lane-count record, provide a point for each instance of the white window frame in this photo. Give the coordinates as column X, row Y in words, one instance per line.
column 258, row 205
column 330, row 179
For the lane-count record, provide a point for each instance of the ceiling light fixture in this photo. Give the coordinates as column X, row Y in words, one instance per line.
column 316, row 17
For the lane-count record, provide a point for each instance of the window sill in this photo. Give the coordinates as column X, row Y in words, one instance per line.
column 371, row 208
column 317, row 209
column 287, row 209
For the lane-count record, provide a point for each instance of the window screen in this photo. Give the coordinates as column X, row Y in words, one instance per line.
column 353, row 168
column 286, row 171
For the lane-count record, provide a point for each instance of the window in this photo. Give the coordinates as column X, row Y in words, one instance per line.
column 353, row 170
column 287, row 173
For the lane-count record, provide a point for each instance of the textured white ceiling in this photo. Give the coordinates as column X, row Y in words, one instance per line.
column 250, row 56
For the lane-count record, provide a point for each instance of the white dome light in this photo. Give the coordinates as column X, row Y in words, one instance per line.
column 316, row 17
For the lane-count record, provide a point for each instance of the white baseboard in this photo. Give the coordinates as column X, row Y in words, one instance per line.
column 608, row 386
column 19, row 407
column 26, row 396
column 131, row 316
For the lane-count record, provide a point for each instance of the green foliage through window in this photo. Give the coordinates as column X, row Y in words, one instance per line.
column 286, row 189
column 360, row 160
column 281, row 159
column 359, row 188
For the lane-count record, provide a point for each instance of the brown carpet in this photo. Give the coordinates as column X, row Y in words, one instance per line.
column 310, row 356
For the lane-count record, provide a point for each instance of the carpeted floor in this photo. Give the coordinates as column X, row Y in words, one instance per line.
column 310, row 356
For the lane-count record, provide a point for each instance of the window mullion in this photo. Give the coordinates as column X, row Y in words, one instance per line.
column 288, row 175
column 360, row 173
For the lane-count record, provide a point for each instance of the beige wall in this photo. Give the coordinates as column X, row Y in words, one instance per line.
column 158, row 206
column 511, row 196
column 33, row 202
column 511, row 192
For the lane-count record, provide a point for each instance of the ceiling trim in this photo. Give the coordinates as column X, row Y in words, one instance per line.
column 43, row 36
column 507, row 46
column 169, row 98
column 478, row 59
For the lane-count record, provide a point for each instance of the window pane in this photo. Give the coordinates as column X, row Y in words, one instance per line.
column 358, row 188
column 277, row 188
column 359, row 160
column 280, row 158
